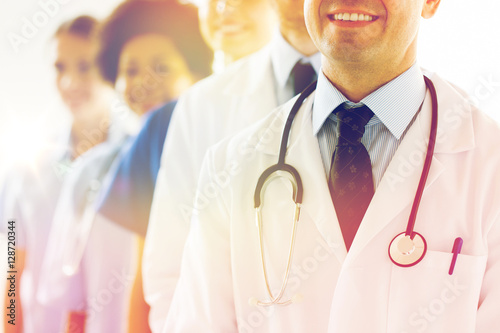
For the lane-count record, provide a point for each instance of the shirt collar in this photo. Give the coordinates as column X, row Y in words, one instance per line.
column 284, row 57
column 394, row 104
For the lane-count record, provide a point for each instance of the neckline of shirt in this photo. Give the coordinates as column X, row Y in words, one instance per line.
column 284, row 57
column 394, row 104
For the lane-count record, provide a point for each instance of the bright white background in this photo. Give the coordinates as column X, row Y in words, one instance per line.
column 461, row 43
column 29, row 103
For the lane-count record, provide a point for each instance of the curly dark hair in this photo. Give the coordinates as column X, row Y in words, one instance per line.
column 84, row 26
column 178, row 22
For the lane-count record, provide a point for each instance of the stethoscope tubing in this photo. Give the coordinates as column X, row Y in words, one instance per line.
column 428, row 160
column 281, row 165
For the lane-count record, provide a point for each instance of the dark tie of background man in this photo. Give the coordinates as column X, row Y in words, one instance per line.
column 303, row 75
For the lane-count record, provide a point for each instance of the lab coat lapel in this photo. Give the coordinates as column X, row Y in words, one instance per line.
column 398, row 186
column 303, row 153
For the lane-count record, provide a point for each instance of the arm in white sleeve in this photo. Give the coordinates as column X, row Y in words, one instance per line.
column 170, row 214
column 203, row 300
column 489, row 302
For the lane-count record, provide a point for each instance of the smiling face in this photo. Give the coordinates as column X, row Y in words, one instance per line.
column 78, row 81
column 151, row 72
column 367, row 33
column 236, row 27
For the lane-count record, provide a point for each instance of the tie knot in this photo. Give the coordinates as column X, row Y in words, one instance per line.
column 351, row 124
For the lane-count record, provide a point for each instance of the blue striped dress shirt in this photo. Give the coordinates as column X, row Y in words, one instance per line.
column 394, row 105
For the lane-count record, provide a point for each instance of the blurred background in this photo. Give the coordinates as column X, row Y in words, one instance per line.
column 462, row 43
column 30, row 107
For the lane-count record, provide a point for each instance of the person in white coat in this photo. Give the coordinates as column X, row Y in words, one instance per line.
column 212, row 109
column 30, row 192
column 334, row 286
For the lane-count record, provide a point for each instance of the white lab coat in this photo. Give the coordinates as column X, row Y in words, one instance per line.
column 359, row 291
column 107, row 263
column 29, row 196
column 220, row 106
column 109, row 252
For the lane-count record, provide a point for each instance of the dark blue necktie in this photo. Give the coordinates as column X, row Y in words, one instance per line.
column 303, row 75
column 351, row 180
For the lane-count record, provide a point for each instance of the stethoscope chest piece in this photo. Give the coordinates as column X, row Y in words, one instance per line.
column 406, row 252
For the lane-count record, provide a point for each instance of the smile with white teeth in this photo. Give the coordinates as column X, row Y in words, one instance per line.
column 353, row 17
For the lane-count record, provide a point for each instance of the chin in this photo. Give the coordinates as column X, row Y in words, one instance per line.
column 345, row 51
column 77, row 110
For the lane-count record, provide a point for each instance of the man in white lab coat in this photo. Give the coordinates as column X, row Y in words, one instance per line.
column 211, row 110
column 369, row 61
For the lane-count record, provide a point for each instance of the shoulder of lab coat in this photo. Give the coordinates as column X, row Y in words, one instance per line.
column 209, row 111
column 80, row 187
column 109, row 254
column 23, row 185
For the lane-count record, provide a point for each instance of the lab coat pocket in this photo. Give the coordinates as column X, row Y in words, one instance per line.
column 425, row 298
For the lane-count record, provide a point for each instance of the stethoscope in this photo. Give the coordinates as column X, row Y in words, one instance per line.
column 405, row 250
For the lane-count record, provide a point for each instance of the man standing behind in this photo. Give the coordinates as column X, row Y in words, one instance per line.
column 359, row 143
column 211, row 110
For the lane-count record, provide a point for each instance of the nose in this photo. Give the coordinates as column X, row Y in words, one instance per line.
column 136, row 80
column 69, row 81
